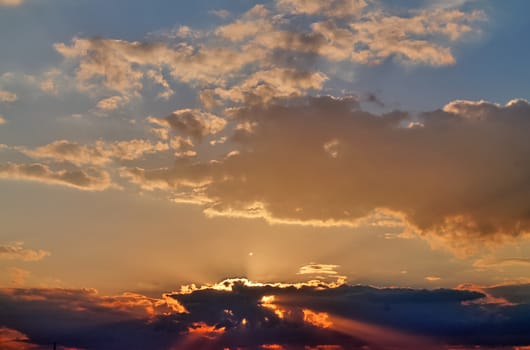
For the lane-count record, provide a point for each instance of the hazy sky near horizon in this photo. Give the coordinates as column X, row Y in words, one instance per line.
column 146, row 145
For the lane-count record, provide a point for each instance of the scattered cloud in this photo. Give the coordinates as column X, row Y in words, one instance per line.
column 112, row 103
column 91, row 179
column 255, row 52
column 99, row 153
column 331, row 8
column 264, row 86
column 191, row 122
column 17, row 251
column 221, row 13
column 486, row 263
column 6, row 96
column 318, row 269
column 433, row 278
column 121, row 66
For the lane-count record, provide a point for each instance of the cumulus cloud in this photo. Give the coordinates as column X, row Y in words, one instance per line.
column 458, row 180
column 263, row 86
column 92, row 179
column 17, row 251
column 276, row 43
column 121, row 66
column 407, row 37
column 256, row 20
column 249, row 315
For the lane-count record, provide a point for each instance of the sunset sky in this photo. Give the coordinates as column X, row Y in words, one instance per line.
column 313, row 174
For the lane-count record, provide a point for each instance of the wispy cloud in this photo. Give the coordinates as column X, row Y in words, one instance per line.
column 90, row 180
column 17, row 251
column 7, row 96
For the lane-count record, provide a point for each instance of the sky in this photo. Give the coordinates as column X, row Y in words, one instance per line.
column 276, row 174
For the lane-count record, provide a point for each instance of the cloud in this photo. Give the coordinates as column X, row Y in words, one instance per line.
column 121, row 66
column 249, row 315
column 221, row 13
column 99, row 153
column 249, row 25
column 458, row 180
column 92, row 179
column 331, row 8
column 168, row 179
column 265, row 47
column 11, row 339
column 112, row 103
column 2, row 120
column 433, row 278
column 315, row 269
column 6, row 96
column 406, row 38
column 191, row 122
column 487, row 263
column 16, row 251
column 263, row 86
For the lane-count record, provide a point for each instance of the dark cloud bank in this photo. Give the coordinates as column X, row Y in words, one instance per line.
column 239, row 314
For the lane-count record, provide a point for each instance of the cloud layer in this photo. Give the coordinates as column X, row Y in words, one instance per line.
column 248, row 315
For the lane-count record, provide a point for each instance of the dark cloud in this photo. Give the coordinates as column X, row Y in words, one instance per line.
column 239, row 313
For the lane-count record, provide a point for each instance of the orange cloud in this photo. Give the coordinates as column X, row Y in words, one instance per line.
column 377, row 171
column 91, row 179
column 16, row 251
column 204, row 330
column 99, row 153
column 7, row 96
column 11, row 339
column 191, row 122
column 130, row 305
column 318, row 319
